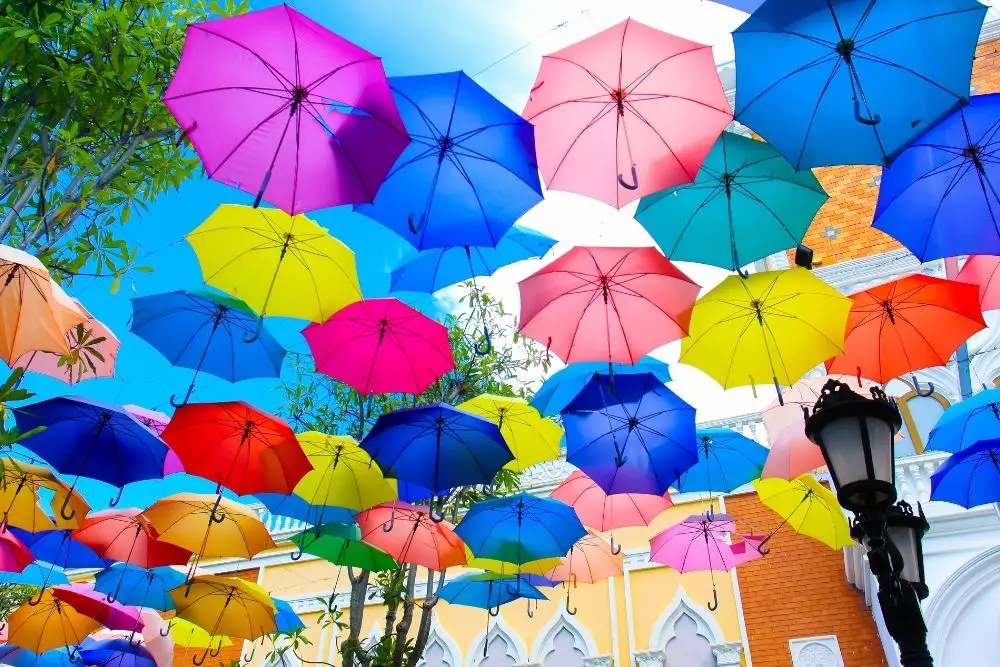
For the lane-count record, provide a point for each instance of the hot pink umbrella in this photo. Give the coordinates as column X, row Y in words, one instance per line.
column 607, row 304
column 89, row 602
column 280, row 107
column 982, row 270
column 407, row 533
column 14, row 556
column 159, row 646
column 381, row 346
column 93, row 350
column 625, row 113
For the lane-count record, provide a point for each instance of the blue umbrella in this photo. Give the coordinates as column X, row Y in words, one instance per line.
column 966, row 423
column 285, row 617
column 726, row 461
column 485, row 592
column 634, row 437
column 469, row 172
column 58, row 548
column 437, row 447
column 831, row 82
column 138, row 586
column 437, row 268
column 560, row 388
column 414, row 493
column 36, row 574
column 940, row 197
column 15, row 656
column 115, row 652
column 294, row 506
column 971, row 477
column 206, row 332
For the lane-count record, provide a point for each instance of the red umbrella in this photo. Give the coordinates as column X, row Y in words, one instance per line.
column 126, row 535
column 626, row 112
column 607, row 304
column 14, row 556
column 237, row 446
column 905, row 325
column 982, row 270
column 113, row 615
column 408, row 534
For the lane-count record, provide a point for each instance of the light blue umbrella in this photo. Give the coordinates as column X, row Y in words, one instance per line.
column 560, row 388
column 966, row 423
column 726, row 461
column 285, row 617
column 486, row 592
column 37, row 574
column 139, row 586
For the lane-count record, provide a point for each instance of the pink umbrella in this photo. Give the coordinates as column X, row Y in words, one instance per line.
column 89, row 602
column 381, row 346
column 626, row 112
column 93, row 350
column 278, row 106
column 607, row 304
column 590, row 560
column 408, row 534
column 792, row 454
column 14, row 555
column 153, row 630
column 156, row 422
column 981, row 270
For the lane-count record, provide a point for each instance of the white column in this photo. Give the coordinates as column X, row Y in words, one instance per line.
column 650, row 658
column 728, row 654
column 597, row 661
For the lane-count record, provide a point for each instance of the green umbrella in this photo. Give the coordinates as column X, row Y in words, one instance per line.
column 746, row 203
column 341, row 545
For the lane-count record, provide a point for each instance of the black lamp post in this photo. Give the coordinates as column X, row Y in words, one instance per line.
column 857, row 436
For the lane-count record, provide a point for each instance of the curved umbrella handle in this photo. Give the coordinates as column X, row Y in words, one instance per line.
column 256, row 332
column 419, row 227
column 118, row 498
column 217, row 516
column 167, row 633
column 132, row 639
column 217, row 650
column 615, row 548
column 65, row 506
column 742, row 273
column 35, row 601
column 331, row 606
column 762, row 547
column 875, row 119
column 922, row 392
column 486, row 346
column 199, row 660
column 297, row 554
column 531, row 613
column 634, row 185
column 714, row 604
column 263, row 186
column 387, row 527
column 249, row 658
column 73, row 653
column 434, row 515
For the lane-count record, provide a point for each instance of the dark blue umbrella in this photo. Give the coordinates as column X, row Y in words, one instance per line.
column 138, row 586
column 114, row 652
column 207, row 332
column 469, row 172
column 285, row 617
column 726, row 461
column 59, row 551
column 560, row 388
column 634, row 437
column 940, row 197
column 15, row 656
column 296, row 507
column 437, row 447
column 485, row 592
column 966, row 423
column 831, row 82
column 971, row 477
column 414, row 493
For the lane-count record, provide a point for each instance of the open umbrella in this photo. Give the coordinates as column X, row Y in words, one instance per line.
column 294, row 506
column 970, row 477
column 791, row 454
column 154, row 420
column 726, row 461
column 563, row 386
column 808, row 507
column 981, row 270
column 409, row 535
column 226, row 606
column 93, row 350
column 341, row 544
column 589, row 561
column 48, row 624
column 113, row 615
column 966, row 423
column 126, row 535
column 115, row 652
column 57, row 549
column 342, row 476
column 285, row 618
column 487, row 592
column 21, row 492
column 139, row 586
column 531, row 438
column 14, row 555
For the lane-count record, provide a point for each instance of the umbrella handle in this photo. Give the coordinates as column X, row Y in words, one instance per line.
column 249, row 658
column 531, row 614
column 387, row 527
column 777, row 389
column 615, row 548
column 486, row 346
column 73, row 653
column 263, row 186
column 252, row 338
column 297, row 554
column 419, row 227
column 331, row 607
column 167, row 633
column 714, row 604
column 634, row 185
column 742, row 273
column 861, row 118
column 762, row 547
column 494, row 612
column 922, row 392
column 435, row 516
column 199, row 660
column 131, row 639
column 216, row 516
column 118, row 498
column 64, row 507
column 35, row 601
column 620, row 460
column 215, row 651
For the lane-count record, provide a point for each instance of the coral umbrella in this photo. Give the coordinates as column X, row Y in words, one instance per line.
column 906, row 325
column 560, row 388
column 93, row 350
column 20, row 489
column 48, row 624
column 381, row 346
column 531, row 438
column 808, row 507
column 606, row 304
column 125, row 535
column 408, row 534
column 280, row 107
column 342, row 476
column 981, row 270
column 966, row 423
column 792, row 454
column 14, row 555
column 726, row 461
column 626, row 112
column 589, row 561
column 970, row 477
column 113, row 615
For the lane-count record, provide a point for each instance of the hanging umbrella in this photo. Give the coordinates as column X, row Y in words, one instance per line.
column 589, row 561
column 15, row 656
column 507, row 570
column 966, row 423
column 434, row 269
column 279, row 107
column 773, row 325
column 139, row 587
column 188, row 635
column 14, row 555
column 531, row 438
column 485, row 592
column 205, row 332
column 296, row 507
column 563, row 386
column 808, row 507
column 93, row 350
column 938, row 197
column 792, row 454
column 342, row 476
column 469, row 172
column 35, row 575
column 340, row 544
column 906, row 325
column 971, row 477
column 113, row 615
column 837, row 83
column 980, row 270
column 726, row 461
column 154, row 420
column 155, row 637
column 626, row 112
column 226, row 606
column 58, row 548
column 20, row 493
column 126, row 535
column 278, row 264
column 48, row 624
column 635, row 437
column 115, row 652
column 285, row 618
column 381, row 346
column 606, row 304
column 746, row 203
column 409, row 535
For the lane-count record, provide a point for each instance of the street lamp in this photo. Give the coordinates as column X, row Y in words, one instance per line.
column 857, row 436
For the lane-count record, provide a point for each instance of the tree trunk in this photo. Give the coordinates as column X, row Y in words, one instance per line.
column 426, row 617
column 359, row 590
column 403, row 629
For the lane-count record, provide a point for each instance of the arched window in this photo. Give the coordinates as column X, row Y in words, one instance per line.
column 438, row 655
column 920, row 414
column 688, row 648
column 565, row 652
column 498, row 653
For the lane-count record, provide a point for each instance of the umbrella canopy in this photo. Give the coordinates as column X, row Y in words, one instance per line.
column 227, row 606
column 791, row 454
column 138, row 586
column 381, row 346
column 59, row 549
column 938, row 197
column 698, row 543
column 20, row 657
column 409, row 535
column 834, row 82
column 115, row 652
column 531, row 438
column 285, row 618
column 503, row 569
column 126, row 535
column 14, row 555
column 636, row 436
column 971, row 477
column 589, row 561
column 980, row 270
column 604, row 512
column 773, row 325
column 191, row 521
column 340, row 544
column 154, row 420
column 297, row 507
column 49, row 624
column 563, row 386
column 342, row 476
column 606, row 304
column 93, row 350
column 113, row 615
column 470, row 171
column 966, row 423
column 188, row 635
column 808, row 507
column 36, row 575
column 726, row 461
column 906, row 325
column 484, row 592
column 280, row 107
column 626, row 112
column 20, row 489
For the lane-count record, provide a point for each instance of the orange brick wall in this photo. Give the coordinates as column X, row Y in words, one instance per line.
column 183, row 657
column 799, row 590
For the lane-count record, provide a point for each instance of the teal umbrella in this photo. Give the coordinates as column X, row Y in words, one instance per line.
column 746, row 203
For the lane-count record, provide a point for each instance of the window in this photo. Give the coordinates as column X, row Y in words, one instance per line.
column 437, row 655
column 564, row 651
column 498, row 653
column 688, row 648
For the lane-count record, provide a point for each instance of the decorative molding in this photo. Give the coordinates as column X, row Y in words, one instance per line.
column 945, row 607
column 816, row 652
column 545, row 639
column 598, row 661
column 650, row 659
column 727, row 654
column 913, row 476
column 663, row 629
column 498, row 628
column 438, row 634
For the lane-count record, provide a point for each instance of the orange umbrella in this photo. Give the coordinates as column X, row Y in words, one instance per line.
column 93, row 350
column 589, row 561
column 19, row 497
column 47, row 624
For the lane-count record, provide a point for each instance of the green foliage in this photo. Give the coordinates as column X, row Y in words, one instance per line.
column 84, row 350
column 10, row 391
column 13, row 596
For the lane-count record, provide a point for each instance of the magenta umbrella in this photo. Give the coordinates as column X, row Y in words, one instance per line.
column 278, row 106
column 381, row 346
column 113, row 615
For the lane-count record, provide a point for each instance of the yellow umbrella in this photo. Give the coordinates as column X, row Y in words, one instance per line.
column 531, row 438
column 188, row 635
column 772, row 326
column 208, row 525
column 510, row 569
column 49, row 624
column 808, row 507
column 19, row 497
column 343, row 474
column 228, row 605
column 278, row 264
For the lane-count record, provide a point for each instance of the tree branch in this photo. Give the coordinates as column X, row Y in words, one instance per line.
column 403, row 629
column 426, row 618
column 12, row 144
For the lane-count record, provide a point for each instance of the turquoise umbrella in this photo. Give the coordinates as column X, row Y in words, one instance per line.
column 746, row 203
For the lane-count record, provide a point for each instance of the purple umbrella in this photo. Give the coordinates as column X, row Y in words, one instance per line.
column 278, row 106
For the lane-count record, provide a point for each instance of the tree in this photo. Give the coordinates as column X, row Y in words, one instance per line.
column 85, row 138
column 316, row 402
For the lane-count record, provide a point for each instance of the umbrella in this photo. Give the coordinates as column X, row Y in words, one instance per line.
column 115, row 652
column 626, row 112
column 637, row 437
column 205, row 332
column 407, row 533
column 93, row 349
column 340, row 544
column 280, row 107
column 381, row 346
column 188, row 635
column 808, row 507
column 589, row 561
column 20, row 657
column 563, row 386
column 504, row 569
column 437, row 446
column 154, row 420
column 155, row 637
column 967, row 422
column 113, row 615
column 980, row 270
column 35, row 313
column 773, row 325
column 126, row 535
column 470, row 171
column 970, row 477
column 285, row 618
column 831, row 83
column 938, row 197
column 437, row 268
column 606, row 304
column 746, row 203
column 791, row 454
column 14, row 555
column 531, row 438
column 277, row 263
column 48, row 624
column 726, row 461
column 138, row 586
column 296, row 507
column 20, row 492
column 35, row 575
column 342, row 477
column 58, row 548
column 487, row 592
column 228, row 605
column 906, row 325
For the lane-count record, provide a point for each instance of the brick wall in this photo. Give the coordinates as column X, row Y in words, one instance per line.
column 183, row 657
column 799, row 590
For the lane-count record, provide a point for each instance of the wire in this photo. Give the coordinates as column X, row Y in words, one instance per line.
column 532, row 41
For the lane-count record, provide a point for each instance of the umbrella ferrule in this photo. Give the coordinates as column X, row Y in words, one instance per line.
column 299, row 95
column 974, row 153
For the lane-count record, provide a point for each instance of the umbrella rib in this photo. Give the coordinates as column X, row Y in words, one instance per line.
column 883, row 33
column 864, row 55
column 260, row 90
column 310, row 109
column 278, row 76
column 949, row 188
column 819, row 102
column 799, row 70
column 239, row 144
column 641, row 78
column 601, row 114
